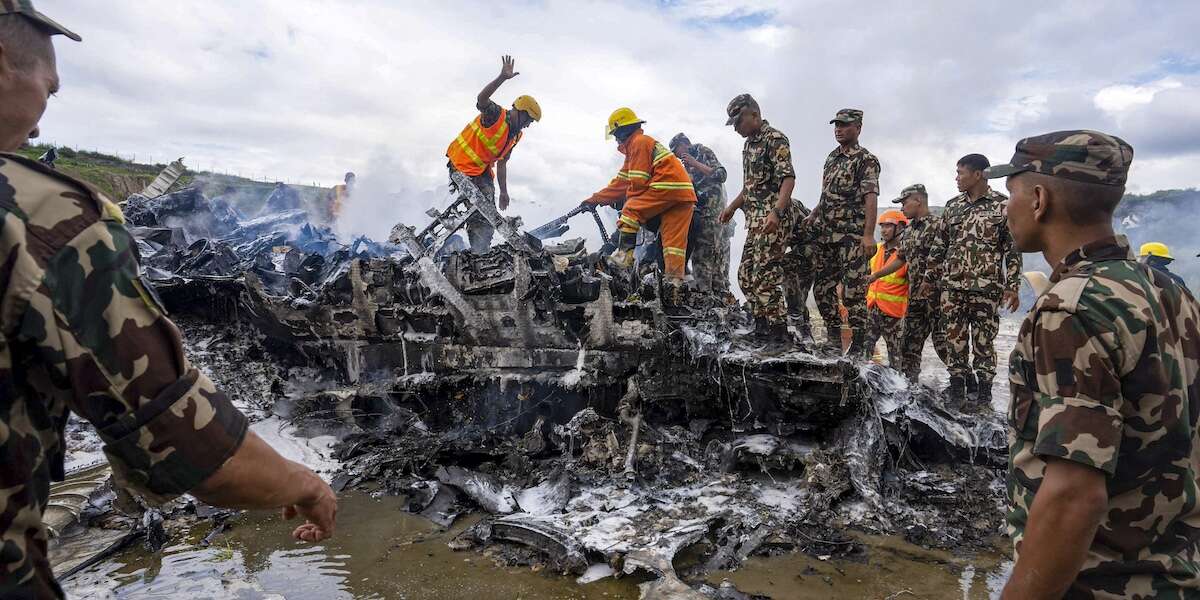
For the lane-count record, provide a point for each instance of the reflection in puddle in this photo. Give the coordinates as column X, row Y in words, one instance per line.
column 382, row 552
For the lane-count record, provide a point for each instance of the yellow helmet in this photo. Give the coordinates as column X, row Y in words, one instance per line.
column 620, row 118
column 529, row 105
column 1155, row 249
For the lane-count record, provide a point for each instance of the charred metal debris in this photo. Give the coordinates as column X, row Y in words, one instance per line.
column 602, row 436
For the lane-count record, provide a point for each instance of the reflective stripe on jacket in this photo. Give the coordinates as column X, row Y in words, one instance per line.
column 477, row 148
column 889, row 293
column 650, row 172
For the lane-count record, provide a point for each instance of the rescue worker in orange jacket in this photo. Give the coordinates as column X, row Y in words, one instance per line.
column 341, row 196
column 489, row 140
column 652, row 183
column 887, row 296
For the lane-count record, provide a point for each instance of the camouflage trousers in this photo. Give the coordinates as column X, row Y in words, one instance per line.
column 889, row 328
column 921, row 321
column 479, row 230
column 797, row 283
column 840, row 262
column 760, row 274
column 970, row 318
column 708, row 248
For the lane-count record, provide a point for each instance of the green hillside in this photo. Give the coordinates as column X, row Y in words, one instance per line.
column 118, row 178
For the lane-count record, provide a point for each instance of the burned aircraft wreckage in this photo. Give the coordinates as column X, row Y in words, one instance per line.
column 601, row 435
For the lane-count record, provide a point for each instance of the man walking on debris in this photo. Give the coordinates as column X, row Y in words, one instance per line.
column 1103, row 440
column 341, row 196
column 887, row 295
column 652, row 183
column 973, row 261
column 798, row 274
column 924, row 305
column 710, row 262
column 489, row 140
column 83, row 333
column 842, row 227
column 766, row 199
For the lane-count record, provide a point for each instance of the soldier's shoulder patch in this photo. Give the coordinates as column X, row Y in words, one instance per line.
column 776, row 135
column 1065, row 294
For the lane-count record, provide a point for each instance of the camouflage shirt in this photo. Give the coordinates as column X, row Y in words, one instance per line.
column 708, row 187
column 1105, row 374
column 915, row 242
column 972, row 249
column 83, row 333
column 849, row 175
column 766, row 162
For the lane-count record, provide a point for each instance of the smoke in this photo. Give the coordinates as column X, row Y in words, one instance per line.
column 387, row 192
column 1167, row 216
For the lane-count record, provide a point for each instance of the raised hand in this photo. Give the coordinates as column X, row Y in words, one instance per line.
column 507, row 66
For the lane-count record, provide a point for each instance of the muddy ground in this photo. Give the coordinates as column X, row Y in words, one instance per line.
column 934, row 531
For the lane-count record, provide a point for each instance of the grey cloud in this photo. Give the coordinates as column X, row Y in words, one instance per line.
column 343, row 82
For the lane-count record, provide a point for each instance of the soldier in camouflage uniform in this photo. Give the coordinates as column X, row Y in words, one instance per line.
column 706, row 235
column 83, row 333
column 974, row 263
column 766, row 198
column 798, row 274
column 842, row 227
column 1103, row 443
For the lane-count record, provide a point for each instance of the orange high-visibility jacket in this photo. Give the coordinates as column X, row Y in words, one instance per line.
column 651, row 172
column 477, row 148
column 889, row 293
column 340, row 196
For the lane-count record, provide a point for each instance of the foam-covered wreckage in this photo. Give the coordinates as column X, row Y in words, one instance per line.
column 537, row 385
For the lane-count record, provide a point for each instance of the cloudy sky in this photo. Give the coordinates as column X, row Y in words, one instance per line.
column 304, row 90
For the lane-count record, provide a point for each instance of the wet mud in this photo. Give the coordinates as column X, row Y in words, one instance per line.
column 382, row 551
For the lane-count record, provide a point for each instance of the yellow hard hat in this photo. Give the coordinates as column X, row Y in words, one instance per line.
column 620, row 118
column 529, row 105
column 1155, row 249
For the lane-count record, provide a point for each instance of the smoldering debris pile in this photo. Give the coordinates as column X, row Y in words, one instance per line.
column 601, row 435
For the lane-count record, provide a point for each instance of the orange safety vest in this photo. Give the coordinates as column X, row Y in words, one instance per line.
column 651, row 173
column 477, row 148
column 340, row 195
column 889, row 293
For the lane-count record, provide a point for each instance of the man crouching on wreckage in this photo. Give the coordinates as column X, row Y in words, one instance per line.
column 83, row 333
column 652, row 185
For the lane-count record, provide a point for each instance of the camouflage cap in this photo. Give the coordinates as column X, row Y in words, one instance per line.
column 679, row 139
column 915, row 188
column 737, row 104
column 25, row 7
column 847, row 115
column 1078, row 154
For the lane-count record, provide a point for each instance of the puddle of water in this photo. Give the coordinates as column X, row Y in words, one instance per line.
column 380, row 551
column 893, row 569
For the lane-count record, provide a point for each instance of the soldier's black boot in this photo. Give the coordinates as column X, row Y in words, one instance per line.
column 955, row 394
column 759, row 334
column 972, row 384
column 858, row 346
column 832, row 345
column 983, row 397
column 672, row 299
column 779, row 339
